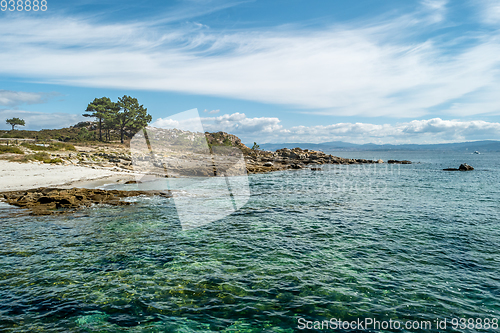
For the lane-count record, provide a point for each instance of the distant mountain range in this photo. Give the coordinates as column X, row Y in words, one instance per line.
column 481, row 146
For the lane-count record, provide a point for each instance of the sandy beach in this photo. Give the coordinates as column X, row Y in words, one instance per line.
column 22, row 176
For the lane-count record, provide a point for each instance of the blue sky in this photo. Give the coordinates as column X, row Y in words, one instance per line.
column 268, row 71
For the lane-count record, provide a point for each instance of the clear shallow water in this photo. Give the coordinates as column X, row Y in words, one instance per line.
column 405, row 242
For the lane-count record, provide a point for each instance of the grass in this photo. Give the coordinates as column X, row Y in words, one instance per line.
column 10, row 149
column 42, row 157
column 52, row 147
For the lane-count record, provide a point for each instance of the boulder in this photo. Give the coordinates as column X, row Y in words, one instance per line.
column 465, row 167
column 268, row 164
column 462, row 167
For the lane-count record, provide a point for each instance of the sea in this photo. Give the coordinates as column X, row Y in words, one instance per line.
column 371, row 245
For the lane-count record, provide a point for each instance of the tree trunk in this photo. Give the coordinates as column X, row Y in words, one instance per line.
column 100, row 125
column 122, row 130
column 13, row 127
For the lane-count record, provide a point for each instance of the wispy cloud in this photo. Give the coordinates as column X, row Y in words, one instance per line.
column 16, row 98
column 40, row 120
column 374, row 69
column 437, row 9
column 491, row 11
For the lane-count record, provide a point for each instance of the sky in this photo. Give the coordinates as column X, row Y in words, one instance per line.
column 379, row 71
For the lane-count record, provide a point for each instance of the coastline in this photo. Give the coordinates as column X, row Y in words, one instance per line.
column 17, row 176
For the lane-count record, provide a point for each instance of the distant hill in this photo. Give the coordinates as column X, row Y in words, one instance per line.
column 482, row 146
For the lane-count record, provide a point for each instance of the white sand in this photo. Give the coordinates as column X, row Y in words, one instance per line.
column 22, row 176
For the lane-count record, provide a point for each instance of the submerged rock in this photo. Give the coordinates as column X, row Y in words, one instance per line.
column 49, row 201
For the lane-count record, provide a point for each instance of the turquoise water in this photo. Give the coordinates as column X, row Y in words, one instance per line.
column 400, row 242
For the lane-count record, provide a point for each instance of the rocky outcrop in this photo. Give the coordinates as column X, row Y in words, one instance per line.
column 226, row 139
column 462, row 167
column 49, row 201
column 398, row 162
column 258, row 161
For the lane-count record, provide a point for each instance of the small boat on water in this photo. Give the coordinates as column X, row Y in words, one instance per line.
column 476, row 152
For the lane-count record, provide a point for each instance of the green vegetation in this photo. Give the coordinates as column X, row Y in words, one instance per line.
column 85, row 135
column 255, row 146
column 42, row 157
column 118, row 121
column 63, row 134
column 52, row 146
column 126, row 116
column 101, row 109
column 15, row 122
column 130, row 116
column 10, row 149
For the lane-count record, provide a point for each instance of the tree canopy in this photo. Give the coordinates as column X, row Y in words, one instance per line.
column 131, row 116
column 126, row 116
column 15, row 122
column 101, row 109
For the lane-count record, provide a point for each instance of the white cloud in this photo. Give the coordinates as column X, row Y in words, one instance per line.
column 40, row 120
column 166, row 123
column 377, row 69
column 15, row 98
column 269, row 129
column 239, row 123
column 417, row 131
column 212, row 112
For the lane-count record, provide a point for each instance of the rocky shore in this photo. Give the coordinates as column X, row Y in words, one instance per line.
column 293, row 159
column 172, row 153
column 173, row 157
column 50, row 201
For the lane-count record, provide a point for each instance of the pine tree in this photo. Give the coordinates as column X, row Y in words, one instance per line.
column 100, row 108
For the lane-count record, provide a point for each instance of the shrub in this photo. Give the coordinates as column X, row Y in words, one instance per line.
column 52, row 147
column 52, row 160
column 10, row 149
column 62, row 146
column 42, row 157
column 39, row 157
column 12, row 136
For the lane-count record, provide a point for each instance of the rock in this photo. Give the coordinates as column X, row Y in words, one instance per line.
column 398, row 162
column 296, row 166
column 268, row 164
column 462, row 167
column 465, row 167
column 315, row 169
column 380, row 161
column 48, row 201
